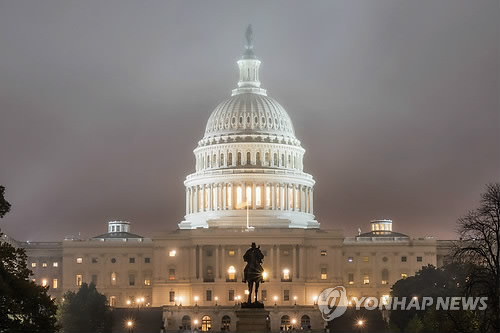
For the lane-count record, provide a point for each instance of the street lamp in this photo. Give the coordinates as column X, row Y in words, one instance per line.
column 130, row 325
column 315, row 299
column 196, row 298
column 295, row 299
column 275, row 299
column 216, row 299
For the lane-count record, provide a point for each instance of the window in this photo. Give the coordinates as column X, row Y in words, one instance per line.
column 231, row 253
column 231, row 295
column 286, row 275
column 350, row 259
column 147, row 260
column 229, row 159
column 33, row 264
column 226, row 323
column 249, row 196
column 44, row 264
column 131, row 260
column 231, row 274
column 54, row 284
column 258, row 196
column 384, row 259
column 350, row 278
column 419, row 259
column 112, row 301
column 171, row 296
column 229, row 196
column 94, row 260
column 365, row 259
column 186, row 323
column 263, row 295
column 172, row 253
column 113, row 260
column 239, row 196
column 79, row 260
column 208, row 295
column 94, row 279
column 385, row 276
column 285, row 323
column 249, row 160
column 206, row 323
column 113, row 279
column 324, row 275
column 147, row 281
column 79, row 280
column 268, row 196
column 131, row 280
column 323, row 253
column 209, row 252
column 366, row 279
column 286, row 295
column 404, row 275
column 171, row 274
column 305, row 322
column 44, row 282
column 55, row 264
column 403, row 259
column 286, row 252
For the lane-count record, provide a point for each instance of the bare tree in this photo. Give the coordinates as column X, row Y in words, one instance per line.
column 479, row 232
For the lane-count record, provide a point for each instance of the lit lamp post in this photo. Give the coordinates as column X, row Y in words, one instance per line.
column 196, row 298
column 315, row 300
column 295, row 299
column 360, row 324
column 130, row 325
column 216, row 299
column 275, row 300
column 195, row 324
column 294, row 321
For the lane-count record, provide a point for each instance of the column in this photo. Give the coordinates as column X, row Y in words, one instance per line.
column 202, row 199
column 224, row 193
column 200, row 263
column 294, row 262
column 312, row 200
column 271, row 263
column 254, row 194
column 193, row 262
column 282, row 197
column 220, row 188
column 272, row 188
column 223, row 263
column 301, row 261
column 187, row 201
column 277, row 272
column 217, row 268
column 210, row 189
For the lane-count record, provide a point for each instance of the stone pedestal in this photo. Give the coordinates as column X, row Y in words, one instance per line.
column 252, row 320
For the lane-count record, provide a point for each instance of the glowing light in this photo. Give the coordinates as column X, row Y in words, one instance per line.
column 275, row 298
column 265, row 275
column 172, row 253
column 216, row 298
column 247, row 292
column 196, row 321
column 196, row 298
column 129, row 302
column 130, row 323
column 360, row 322
column 315, row 298
column 294, row 321
column 137, row 300
column 294, row 298
column 44, row 282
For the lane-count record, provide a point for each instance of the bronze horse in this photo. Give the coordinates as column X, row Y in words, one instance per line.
column 253, row 273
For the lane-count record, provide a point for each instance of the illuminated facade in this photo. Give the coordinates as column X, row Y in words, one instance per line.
column 249, row 185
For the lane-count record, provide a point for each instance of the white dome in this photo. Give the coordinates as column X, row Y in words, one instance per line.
column 249, row 113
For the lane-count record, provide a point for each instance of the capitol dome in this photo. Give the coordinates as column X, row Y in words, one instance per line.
column 249, row 113
column 249, row 164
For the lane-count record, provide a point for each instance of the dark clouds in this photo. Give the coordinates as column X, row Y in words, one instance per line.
column 102, row 103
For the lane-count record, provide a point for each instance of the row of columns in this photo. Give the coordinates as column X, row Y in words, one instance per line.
column 228, row 196
column 257, row 158
column 272, row 261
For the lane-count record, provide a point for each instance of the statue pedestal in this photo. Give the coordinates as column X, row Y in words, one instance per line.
column 252, row 320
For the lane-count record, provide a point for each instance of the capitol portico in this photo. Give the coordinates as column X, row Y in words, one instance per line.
column 249, row 185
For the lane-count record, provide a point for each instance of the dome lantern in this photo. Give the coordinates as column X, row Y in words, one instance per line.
column 249, row 69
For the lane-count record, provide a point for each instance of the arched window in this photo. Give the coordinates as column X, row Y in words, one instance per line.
column 238, row 163
column 282, row 160
column 186, row 323
column 385, row 276
column 249, row 159
column 225, row 323
column 229, row 159
column 221, row 162
column 113, row 278
column 285, row 323
column 206, row 323
column 214, row 161
column 208, row 161
column 305, row 322
column 112, row 301
column 275, row 159
column 231, row 274
column 257, row 159
column 267, row 162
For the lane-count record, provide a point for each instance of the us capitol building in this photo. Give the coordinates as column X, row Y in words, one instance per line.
column 249, row 185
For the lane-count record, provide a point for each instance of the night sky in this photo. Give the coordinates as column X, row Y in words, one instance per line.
column 102, row 102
